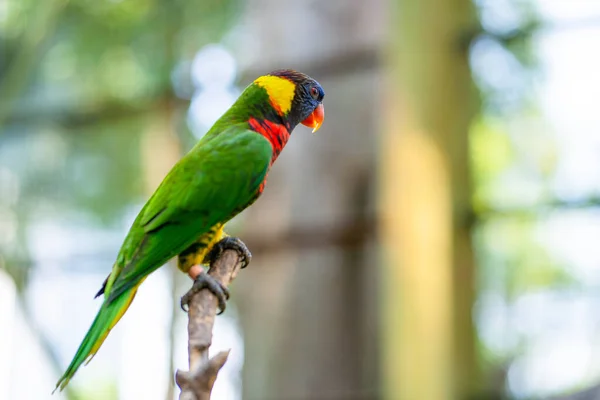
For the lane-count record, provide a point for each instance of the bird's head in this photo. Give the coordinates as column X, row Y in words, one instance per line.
column 295, row 97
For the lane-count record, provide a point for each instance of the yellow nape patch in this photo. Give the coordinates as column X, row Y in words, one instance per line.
column 281, row 91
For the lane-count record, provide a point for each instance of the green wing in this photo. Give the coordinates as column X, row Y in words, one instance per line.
column 214, row 181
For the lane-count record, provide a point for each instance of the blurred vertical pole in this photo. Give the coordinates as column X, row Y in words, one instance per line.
column 167, row 136
column 161, row 149
column 309, row 311
column 428, row 289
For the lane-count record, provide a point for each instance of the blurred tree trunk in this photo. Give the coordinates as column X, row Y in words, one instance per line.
column 309, row 313
column 428, row 295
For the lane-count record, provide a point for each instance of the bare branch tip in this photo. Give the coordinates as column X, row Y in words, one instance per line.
column 197, row 383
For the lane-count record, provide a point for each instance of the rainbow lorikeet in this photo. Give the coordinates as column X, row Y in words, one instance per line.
column 224, row 173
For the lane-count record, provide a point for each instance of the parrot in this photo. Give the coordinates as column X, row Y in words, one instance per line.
column 223, row 174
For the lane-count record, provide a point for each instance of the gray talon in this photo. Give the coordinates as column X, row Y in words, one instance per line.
column 205, row 281
column 232, row 243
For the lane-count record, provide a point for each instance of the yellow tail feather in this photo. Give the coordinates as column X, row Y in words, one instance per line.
column 107, row 317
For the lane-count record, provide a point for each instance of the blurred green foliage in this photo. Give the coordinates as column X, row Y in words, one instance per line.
column 82, row 81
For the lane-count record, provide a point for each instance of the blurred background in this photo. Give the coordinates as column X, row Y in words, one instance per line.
column 436, row 239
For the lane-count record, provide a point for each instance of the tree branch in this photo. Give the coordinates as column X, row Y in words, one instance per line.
column 197, row 383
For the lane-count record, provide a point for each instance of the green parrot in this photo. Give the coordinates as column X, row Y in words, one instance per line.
column 224, row 173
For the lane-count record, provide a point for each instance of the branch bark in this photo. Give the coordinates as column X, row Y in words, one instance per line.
column 197, row 383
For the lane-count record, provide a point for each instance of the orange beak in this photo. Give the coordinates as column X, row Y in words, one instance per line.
column 315, row 120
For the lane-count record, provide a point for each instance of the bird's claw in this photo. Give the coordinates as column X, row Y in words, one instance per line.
column 205, row 281
column 227, row 243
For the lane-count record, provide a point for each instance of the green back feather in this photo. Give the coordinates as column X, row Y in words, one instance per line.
column 218, row 178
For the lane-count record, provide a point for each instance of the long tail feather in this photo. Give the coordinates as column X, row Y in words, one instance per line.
column 107, row 317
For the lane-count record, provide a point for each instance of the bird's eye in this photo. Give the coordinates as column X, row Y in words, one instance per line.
column 314, row 92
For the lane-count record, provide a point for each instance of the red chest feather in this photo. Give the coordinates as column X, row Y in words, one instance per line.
column 276, row 134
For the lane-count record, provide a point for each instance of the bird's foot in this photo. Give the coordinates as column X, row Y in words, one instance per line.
column 227, row 243
column 205, row 281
